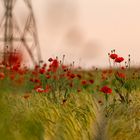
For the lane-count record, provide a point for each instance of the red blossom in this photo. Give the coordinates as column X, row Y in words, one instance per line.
column 54, row 66
column 35, row 73
column 39, row 90
column 123, row 68
column 121, row 75
column 1, row 66
column 84, row 82
column 119, row 59
column 8, row 67
column 21, row 71
column 12, row 76
column 48, row 76
column 36, row 67
column 49, row 70
column 32, row 80
column 106, row 90
column 113, row 56
column 48, row 88
column 16, row 67
column 91, row 81
column 2, row 75
column 64, row 67
column 104, row 71
column 42, row 71
column 37, row 81
column 15, row 58
column 72, row 76
column 44, row 65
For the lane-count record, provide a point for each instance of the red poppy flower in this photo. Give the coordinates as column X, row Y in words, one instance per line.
column 37, row 81
column 91, row 81
column 121, row 75
column 44, row 65
column 48, row 88
column 119, row 59
column 42, row 71
column 106, row 90
column 48, row 76
column 72, row 76
column 32, row 80
column 84, row 82
column 36, row 67
column 113, row 56
column 34, row 73
column 54, row 66
column 2, row 75
column 104, row 71
column 68, row 74
column 21, row 71
column 15, row 58
column 16, row 67
column 64, row 67
column 123, row 68
column 39, row 90
column 12, row 76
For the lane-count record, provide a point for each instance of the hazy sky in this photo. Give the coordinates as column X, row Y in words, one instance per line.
column 88, row 29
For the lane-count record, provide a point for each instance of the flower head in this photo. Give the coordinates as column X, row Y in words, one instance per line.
column 84, row 82
column 106, row 90
column 54, row 66
column 91, row 81
column 121, row 75
column 39, row 90
column 119, row 59
column 2, row 75
column 113, row 56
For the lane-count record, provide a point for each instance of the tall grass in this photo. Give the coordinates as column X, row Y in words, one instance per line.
column 124, row 124
column 36, row 118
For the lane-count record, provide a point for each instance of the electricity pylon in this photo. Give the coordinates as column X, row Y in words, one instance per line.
column 13, row 37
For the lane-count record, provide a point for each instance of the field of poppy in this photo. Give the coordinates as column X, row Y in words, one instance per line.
column 55, row 101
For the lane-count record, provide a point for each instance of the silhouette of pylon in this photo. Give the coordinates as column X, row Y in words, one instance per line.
column 13, row 37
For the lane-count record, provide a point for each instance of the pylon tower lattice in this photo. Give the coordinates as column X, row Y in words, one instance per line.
column 12, row 36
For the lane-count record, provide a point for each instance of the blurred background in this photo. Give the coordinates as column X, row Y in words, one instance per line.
column 86, row 30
